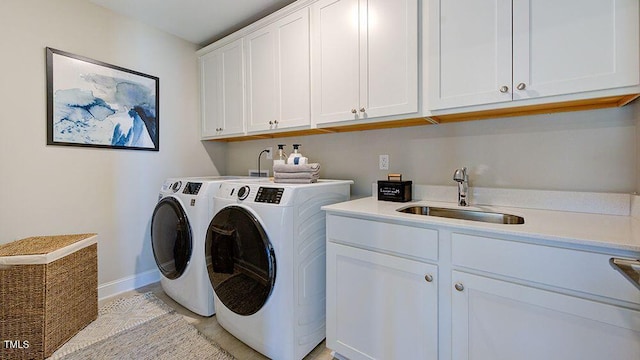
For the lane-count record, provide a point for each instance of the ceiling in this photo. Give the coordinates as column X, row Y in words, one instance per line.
column 198, row 21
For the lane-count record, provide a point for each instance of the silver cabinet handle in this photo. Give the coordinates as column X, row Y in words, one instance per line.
column 270, row 122
column 504, row 89
column 428, row 278
column 521, row 86
column 275, row 122
column 353, row 111
column 630, row 269
column 362, row 110
column 459, row 286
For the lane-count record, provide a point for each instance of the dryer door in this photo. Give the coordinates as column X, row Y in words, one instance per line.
column 171, row 237
column 242, row 265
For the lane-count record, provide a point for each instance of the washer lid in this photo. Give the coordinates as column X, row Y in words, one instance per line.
column 242, row 269
column 171, row 237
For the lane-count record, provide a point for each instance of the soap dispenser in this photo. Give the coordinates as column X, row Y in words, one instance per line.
column 281, row 158
column 296, row 158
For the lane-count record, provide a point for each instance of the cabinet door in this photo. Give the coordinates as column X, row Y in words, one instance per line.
column 336, row 60
column 469, row 52
column 389, row 61
column 233, row 88
column 278, row 74
column 380, row 306
column 211, row 93
column 262, row 97
column 498, row 320
column 570, row 46
column 222, row 87
column 293, row 86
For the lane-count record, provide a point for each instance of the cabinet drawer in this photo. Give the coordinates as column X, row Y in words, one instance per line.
column 565, row 268
column 403, row 240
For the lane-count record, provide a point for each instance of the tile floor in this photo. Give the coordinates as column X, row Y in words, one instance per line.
column 209, row 327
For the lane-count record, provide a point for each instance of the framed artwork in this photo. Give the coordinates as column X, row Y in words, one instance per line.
column 94, row 104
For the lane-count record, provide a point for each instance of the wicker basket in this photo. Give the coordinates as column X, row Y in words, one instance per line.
column 48, row 292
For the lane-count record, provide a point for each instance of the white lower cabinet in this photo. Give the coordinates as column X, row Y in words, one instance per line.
column 380, row 306
column 493, row 319
column 474, row 297
column 518, row 300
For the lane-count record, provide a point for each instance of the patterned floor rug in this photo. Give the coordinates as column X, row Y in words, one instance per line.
column 140, row 327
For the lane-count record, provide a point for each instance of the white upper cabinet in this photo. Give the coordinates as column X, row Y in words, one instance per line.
column 222, row 91
column 474, row 57
column 364, row 59
column 570, row 46
column 492, row 51
column 278, row 74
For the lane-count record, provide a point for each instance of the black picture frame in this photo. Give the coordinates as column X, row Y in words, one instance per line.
column 94, row 104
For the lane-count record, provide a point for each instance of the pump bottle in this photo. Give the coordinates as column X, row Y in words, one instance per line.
column 296, row 158
column 281, row 158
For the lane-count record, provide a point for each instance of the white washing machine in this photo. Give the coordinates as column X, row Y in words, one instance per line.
column 268, row 252
column 178, row 229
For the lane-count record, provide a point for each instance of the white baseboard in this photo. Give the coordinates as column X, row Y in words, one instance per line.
column 337, row 356
column 119, row 286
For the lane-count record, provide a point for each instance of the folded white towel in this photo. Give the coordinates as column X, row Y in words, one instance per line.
column 294, row 181
column 290, row 168
column 297, row 175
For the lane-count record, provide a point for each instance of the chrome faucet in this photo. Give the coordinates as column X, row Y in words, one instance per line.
column 461, row 177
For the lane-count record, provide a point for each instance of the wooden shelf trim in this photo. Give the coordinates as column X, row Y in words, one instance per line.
column 575, row 105
column 333, row 129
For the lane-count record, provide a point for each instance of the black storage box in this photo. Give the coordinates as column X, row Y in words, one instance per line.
column 394, row 190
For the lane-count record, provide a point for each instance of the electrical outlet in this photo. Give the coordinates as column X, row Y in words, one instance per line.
column 270, row 153
column 384, row 162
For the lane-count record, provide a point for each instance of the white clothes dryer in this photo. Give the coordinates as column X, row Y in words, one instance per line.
column 268, row 252
column 178, row 229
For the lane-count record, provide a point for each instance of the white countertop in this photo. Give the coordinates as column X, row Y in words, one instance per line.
column 612, row 232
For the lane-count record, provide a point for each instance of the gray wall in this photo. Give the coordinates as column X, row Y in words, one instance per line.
column 579, row 151
column 47, row 190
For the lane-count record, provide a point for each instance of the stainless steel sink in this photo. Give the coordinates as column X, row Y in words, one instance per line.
column 473, row 215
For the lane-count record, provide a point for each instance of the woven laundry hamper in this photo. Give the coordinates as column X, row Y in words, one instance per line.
column 48, row 292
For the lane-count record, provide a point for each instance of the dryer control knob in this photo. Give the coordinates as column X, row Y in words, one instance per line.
column 176, row 186
column 243, row 192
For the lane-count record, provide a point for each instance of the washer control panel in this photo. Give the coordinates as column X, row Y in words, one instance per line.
column 265, row 193
column 192, row 188
column 269, row 195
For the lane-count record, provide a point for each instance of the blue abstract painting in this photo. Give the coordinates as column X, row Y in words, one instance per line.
column 91, row 103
